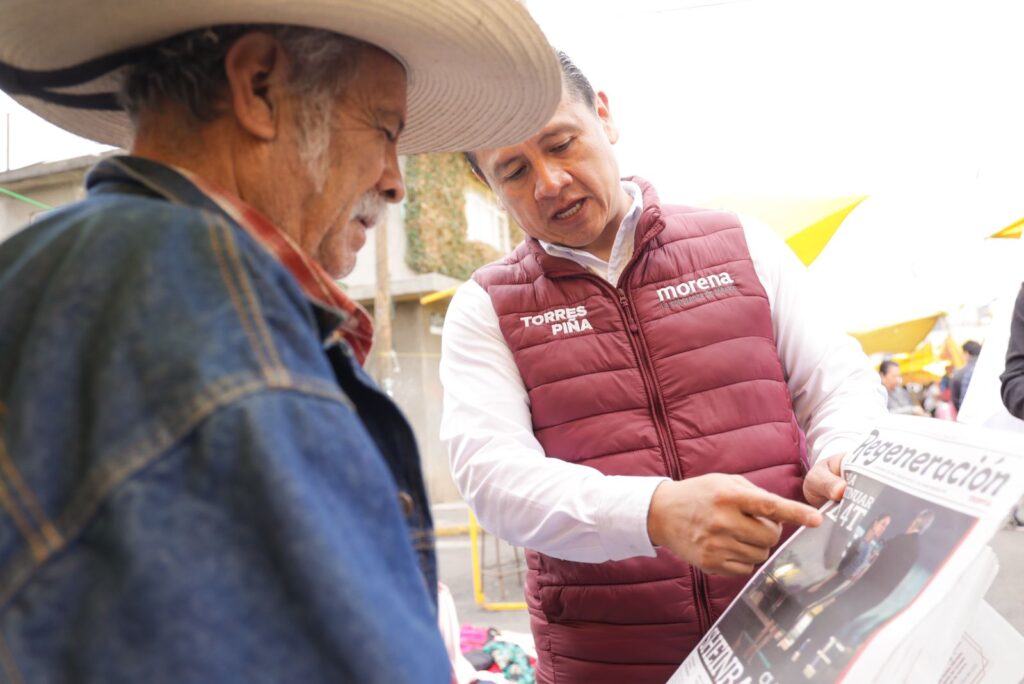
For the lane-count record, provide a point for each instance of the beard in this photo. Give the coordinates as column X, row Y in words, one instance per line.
column 337, row 254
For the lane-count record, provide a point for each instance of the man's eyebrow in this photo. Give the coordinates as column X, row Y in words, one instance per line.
column 557, row 132
column 503, row 165
column 392, row 116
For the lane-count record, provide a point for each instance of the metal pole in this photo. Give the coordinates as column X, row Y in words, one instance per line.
column 7, row 146
column 382, row 309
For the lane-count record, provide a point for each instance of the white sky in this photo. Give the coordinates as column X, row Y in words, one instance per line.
column 803, row 96
column 791, row 98
column 916, row 103
column 33, row 140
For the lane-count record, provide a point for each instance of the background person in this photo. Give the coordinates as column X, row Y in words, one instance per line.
column 962, row 377
column 1012, row 378
column 946, row 383
column 899, row 399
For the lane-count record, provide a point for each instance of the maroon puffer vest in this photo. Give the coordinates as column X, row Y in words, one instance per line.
column 673, row 373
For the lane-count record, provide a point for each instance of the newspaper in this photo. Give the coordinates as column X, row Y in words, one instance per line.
column 988, row 653
column 895, row 572
column 924, row 656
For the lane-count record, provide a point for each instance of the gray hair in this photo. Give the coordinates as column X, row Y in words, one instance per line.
column 188, row 69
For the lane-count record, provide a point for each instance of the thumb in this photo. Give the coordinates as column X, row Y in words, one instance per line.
column 837, row 488
column 822, row 485
column 832, row 484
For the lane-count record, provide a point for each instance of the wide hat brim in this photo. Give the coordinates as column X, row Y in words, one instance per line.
column 481, row 73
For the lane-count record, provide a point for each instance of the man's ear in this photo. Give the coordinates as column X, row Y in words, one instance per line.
column 474, row 167
column 257, row 71
column 604, row 113
column 497, row 199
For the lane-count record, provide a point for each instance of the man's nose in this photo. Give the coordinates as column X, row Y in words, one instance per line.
column 551, row 178
column 391, row 186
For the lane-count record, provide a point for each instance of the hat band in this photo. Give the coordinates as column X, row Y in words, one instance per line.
column 39, row 84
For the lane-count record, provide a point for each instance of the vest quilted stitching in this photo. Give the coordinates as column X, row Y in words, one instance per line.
column 675, row 372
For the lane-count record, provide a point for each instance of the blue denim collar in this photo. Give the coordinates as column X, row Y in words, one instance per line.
column 151, row 178
column 138, row 175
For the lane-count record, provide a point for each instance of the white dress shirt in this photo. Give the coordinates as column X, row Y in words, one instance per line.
column 572, row 511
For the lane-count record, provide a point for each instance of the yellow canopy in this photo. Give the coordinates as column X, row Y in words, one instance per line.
column 899, row 338
column 805, row 224
column 1011, row 231
column 920, row 365
column 951, row 352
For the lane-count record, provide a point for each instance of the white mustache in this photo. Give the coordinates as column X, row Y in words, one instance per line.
column 371, row 206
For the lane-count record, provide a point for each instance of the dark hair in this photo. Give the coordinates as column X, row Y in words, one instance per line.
column 189, row 68
column 576, row 84
column 971, row 347
column 886, row 365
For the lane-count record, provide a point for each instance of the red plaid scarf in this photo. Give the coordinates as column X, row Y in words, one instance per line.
column 356, row 326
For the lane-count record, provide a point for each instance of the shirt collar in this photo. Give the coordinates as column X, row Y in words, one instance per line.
column 355, row 326
column 622, row 247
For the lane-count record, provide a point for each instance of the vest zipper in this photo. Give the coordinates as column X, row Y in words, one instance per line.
column 698, row 580
column 661, row 423
column 698, row 584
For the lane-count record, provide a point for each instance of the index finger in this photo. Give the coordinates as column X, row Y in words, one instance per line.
column 765, row 504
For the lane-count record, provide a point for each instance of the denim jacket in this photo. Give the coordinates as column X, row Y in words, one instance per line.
column 195, row 485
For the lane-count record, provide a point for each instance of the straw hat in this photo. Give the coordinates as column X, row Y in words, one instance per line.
column 480, row 72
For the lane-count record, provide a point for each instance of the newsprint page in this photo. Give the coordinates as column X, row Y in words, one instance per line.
column 889, row 588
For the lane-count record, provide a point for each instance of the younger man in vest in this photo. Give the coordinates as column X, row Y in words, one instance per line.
column 627, row 395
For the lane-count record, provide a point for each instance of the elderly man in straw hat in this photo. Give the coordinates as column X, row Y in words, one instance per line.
column 198, row 481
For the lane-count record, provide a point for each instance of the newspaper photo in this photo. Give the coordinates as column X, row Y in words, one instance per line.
column 842, row 601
